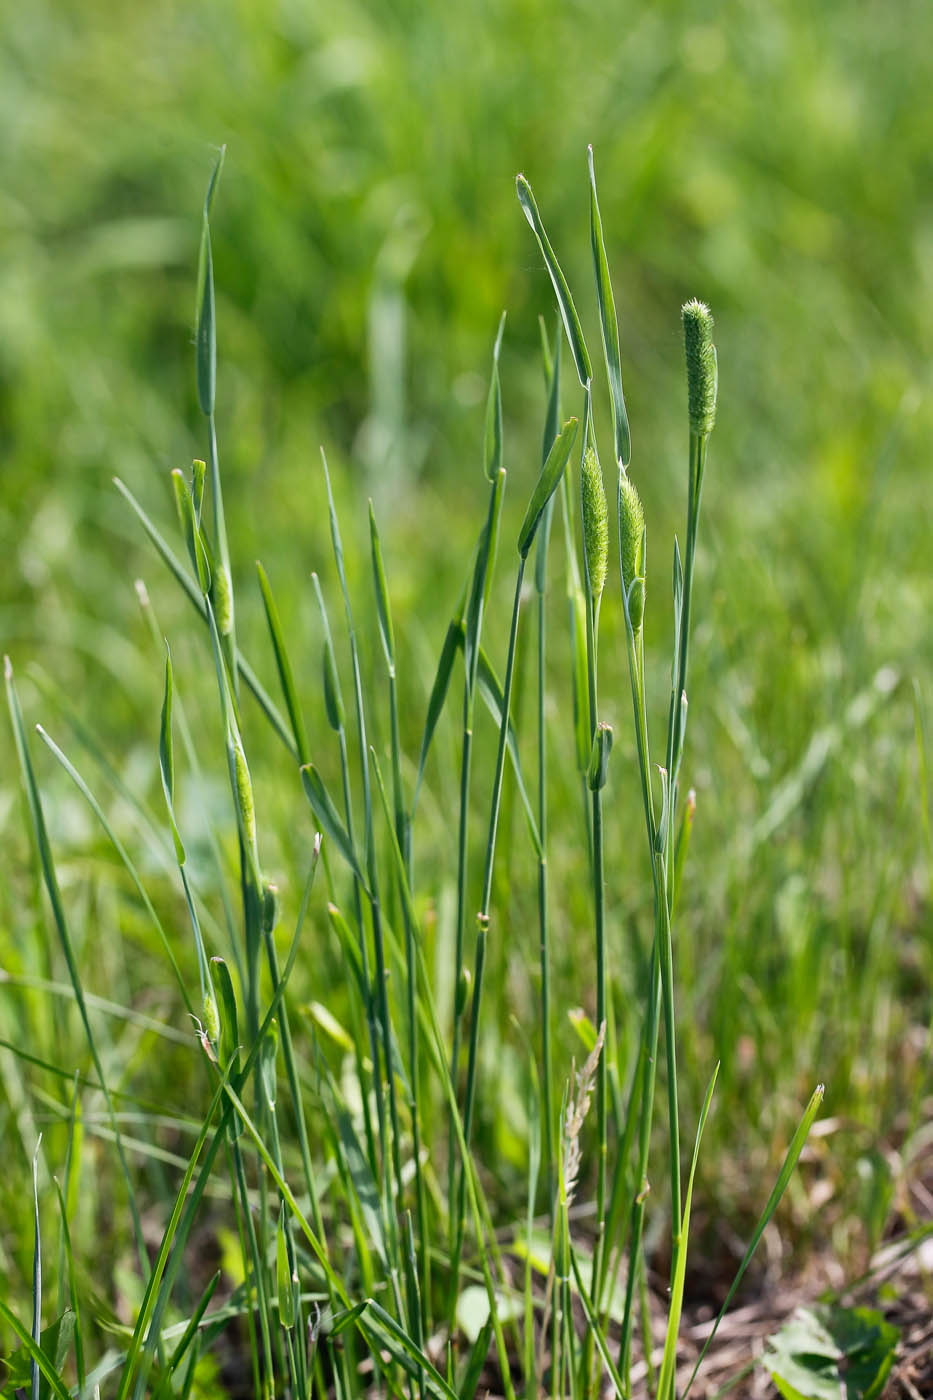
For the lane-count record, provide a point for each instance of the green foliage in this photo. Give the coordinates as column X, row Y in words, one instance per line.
column 826, row 1352
column 352, row 272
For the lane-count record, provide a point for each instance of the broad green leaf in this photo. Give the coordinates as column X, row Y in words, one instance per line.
column 547, row 484
column 559, row 282
column 828, row 1352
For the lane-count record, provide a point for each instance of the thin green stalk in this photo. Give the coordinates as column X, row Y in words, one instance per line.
column 482, row 918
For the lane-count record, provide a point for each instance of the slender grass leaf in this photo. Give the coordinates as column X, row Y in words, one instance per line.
column 481, row 580
column 490, row 689
column 228, row 1044
column 187, row 518
column 547, row 484
column 260, row 694
column 286, row 676
column 167, row 757
column 492, row 443
column 609, row 326
column 285, row 1282
column 205, row 330
column 452, row 643
column 37, row 1355
column 551, row 429
column 50, row 880
column 675, row 1305
column 476, row 1360
column 559, row 282
column 364, row 1183
column 383, row 608
column 327, row 815
column 780, row 1186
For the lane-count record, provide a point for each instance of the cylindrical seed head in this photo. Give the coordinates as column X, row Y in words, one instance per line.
column 702, row 372
column 222, row 600
column 631, row 531
column 595, row 523
column 244, row 792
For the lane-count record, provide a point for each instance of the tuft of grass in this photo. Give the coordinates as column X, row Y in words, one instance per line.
column 337, row 1137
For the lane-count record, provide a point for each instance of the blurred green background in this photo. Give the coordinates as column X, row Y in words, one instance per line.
column 775, row 160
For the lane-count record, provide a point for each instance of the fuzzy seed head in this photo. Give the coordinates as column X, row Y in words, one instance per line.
column 595, row 523
column 702, row 373
column 223, row 601
column 244, row 794
column 631, row 530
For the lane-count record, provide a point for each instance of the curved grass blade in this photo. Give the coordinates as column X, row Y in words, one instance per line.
column 452, row 643
column 286, row 677
column 490, row 689
column 784, row 1176
column 121, row 851
column 547, row 484
column 193, row 593
column 326, row 813
column 50, row 879
column 609, row 326
column 39, row 1358
column 568, row 311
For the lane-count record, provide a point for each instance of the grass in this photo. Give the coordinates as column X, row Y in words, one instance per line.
column 370, row 1273
column 803, row 854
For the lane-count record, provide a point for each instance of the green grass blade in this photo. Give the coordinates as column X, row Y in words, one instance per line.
column 329, row 819
column 205, row 330
column 383, row 609
column 609, row 326
column 452, row 642
column 192, row 592
column 286, row 676
column 784, row 1176
column 121, row 851
column 547, row 484
column 167, row 757
column 490, row 689
column 50, row 880
column 675, row 1304
column 40, row 1359
column 568, row 311
column 482, row 577
column 492, row 442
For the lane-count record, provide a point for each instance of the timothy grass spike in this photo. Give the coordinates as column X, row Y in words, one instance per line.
column 702, row 369
column 595, row 522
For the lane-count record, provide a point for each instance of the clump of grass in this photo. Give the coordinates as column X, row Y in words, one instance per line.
column 355, row 1260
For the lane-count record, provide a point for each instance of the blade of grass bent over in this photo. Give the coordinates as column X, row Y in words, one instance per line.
column 559, row 282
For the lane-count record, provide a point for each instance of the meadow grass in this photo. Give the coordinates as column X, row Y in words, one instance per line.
column 371, row 1237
